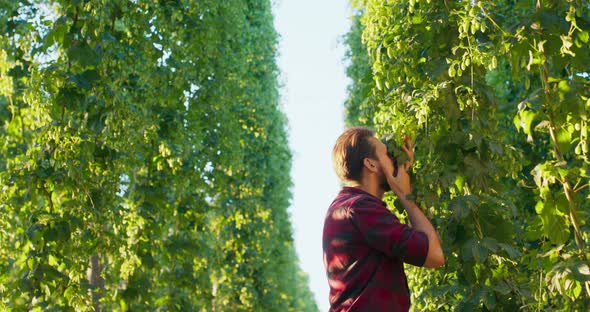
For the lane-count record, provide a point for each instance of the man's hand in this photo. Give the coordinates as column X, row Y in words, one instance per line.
column 400, row 184
column 409, row 149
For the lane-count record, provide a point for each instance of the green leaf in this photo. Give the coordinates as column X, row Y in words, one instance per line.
column 581, row 272
column 489, row 299
column 86, row 79
column 480, row 253
column 490, row 243
column 501, row 287
column 526, row 118
column 69, row 294
column 417, row 19
column 56, row 34
column 583, row 36
column 459, row 208
column 378, row 83
column 564, row 86
column 539, row 207
column 52, row 260
column 516, row 122
column 120, row 26
column 555, row 228
column 511, row 251
column 561, row 203
column 460, row 182
column 84, row 55
column 564, row 139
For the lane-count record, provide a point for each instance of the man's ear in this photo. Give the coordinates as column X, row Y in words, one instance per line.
column 370, row 164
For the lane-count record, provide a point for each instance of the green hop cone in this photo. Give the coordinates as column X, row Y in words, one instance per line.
column 394, row 149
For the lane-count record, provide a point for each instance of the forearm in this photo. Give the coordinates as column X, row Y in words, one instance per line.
column 421, row 223
column 400, row 184
column 417, row 218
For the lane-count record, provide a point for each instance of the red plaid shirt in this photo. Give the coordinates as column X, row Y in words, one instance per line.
column 365, row 247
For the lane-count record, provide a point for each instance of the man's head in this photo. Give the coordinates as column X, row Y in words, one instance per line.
column 356, row 156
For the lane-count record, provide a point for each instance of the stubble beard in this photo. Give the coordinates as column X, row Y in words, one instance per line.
column 383, row 184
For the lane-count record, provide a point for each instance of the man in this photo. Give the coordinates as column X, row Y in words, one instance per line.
column 364, row 244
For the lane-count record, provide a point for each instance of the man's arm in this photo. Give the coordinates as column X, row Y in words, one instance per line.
column 383, row 231
column 400, row 185
column 435, row 257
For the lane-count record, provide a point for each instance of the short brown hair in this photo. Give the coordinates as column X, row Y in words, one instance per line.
column 349, row 152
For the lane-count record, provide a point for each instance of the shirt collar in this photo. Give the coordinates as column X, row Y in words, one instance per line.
column 356, row 190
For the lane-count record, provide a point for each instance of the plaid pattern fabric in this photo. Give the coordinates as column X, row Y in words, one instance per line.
column 365, row 247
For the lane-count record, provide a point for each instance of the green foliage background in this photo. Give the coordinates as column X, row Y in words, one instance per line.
column 496, row 95
column 144, row 136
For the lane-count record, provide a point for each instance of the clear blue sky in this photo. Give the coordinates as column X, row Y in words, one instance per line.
column 313, row 94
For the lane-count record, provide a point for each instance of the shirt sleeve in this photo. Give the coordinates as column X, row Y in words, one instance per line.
column 383, row 231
